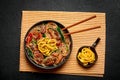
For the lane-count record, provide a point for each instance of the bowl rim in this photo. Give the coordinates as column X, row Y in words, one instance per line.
column 50, row 67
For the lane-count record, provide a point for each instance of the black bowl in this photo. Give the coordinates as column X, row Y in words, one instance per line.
column 48, row 67
column 89, row 64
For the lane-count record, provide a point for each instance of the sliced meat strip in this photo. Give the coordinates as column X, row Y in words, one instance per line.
column 49, row 61
column 59, row 59
column 38, row 57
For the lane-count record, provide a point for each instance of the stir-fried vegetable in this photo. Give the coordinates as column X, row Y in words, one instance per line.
column 29, row 51
column 61, row 34
column 39, row 35
column 44, row 35
column 62, row 37
column 29, row 38
column 34, row 41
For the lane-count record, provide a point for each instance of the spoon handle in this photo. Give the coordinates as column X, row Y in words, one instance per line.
column 96, row 42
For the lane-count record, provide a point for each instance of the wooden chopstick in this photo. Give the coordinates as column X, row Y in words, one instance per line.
column 80, row 22
column 82, row 30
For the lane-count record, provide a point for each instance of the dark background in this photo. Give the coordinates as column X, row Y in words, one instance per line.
column 10, row 27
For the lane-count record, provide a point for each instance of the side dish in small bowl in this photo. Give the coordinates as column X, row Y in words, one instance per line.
column 87, row 55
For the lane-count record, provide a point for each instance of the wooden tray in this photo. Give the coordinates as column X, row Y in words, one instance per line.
column 71, row 67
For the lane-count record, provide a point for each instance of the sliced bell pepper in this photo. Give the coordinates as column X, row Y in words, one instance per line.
column 39, row 36
column 29, row 38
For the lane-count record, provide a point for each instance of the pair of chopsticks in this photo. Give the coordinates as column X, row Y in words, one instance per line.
column 89, row 18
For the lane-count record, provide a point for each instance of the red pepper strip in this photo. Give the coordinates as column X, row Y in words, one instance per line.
column 30, row 34
column 29, row 38
column 39, row 36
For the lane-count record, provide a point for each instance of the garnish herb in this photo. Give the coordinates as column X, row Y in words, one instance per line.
column 61, row 34
column 29, row 52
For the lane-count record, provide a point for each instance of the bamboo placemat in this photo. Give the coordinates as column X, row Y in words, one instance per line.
column 71, row 67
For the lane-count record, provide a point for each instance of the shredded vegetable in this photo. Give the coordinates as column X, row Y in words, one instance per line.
column 61, row 34
column 86, row 56
column 46, row 46
column 29, row 52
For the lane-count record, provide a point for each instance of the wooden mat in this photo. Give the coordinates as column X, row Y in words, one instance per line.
column 71, row 67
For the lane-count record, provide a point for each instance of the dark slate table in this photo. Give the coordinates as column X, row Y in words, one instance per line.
column 10, row 26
